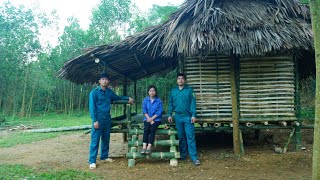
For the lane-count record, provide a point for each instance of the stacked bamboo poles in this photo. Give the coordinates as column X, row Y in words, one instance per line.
column 133, row 145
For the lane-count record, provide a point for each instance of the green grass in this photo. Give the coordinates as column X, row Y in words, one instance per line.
column 52, row 120
column 24, row 172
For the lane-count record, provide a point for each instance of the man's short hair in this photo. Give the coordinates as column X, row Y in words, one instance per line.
column 183, row 75
column 103, row 75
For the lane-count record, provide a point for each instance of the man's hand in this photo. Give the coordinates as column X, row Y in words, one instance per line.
column 152, row 122
column 169, row 119
column 193, row 119
column 131, row 101
column 96, row 125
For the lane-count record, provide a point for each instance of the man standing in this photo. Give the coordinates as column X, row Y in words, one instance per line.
column 99, row 104
column 182, row 101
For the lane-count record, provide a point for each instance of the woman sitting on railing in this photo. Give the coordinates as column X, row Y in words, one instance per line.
column 152, row 111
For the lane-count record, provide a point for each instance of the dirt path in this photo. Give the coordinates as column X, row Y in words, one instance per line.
column 71, row 152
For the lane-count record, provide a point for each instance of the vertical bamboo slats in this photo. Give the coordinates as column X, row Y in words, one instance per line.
column 267, row 89
column 210, row 79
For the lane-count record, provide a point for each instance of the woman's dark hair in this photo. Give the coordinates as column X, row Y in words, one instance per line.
column 154, row 87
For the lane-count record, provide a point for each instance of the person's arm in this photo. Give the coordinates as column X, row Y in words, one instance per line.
column 92, row 107
column 115, row 97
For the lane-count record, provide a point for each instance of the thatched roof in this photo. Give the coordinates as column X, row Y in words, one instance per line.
column 200, row 27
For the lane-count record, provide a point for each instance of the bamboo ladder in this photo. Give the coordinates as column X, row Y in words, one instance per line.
column 136, row 129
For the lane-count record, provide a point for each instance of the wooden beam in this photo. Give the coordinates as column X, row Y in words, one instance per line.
column 234, row 99
column 105, row 63
column 297, row 133
column 117, row 71
column 139, row 63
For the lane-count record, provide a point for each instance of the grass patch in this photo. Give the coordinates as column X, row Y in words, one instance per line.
column 52, row 120
column 13, row 139
column 24, row 172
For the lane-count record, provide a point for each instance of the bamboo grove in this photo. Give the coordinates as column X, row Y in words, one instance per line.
column 29, row 62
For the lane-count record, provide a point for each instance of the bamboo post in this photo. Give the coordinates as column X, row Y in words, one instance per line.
column 234, row 99
column 169, row 132
column 133, row 151
column 124, row 92
column 156, row 143
column 135, row 96
column 289, row 139
column 297, row 133
column 315, row 19
column 125, row 135
column 181, row 64
column 173, row 148
column 155, row 155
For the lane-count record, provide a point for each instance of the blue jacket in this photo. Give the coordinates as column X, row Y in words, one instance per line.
column 182, row 102
column 152, row 108
column 100, row 103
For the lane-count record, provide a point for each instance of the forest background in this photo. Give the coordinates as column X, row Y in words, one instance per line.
column 30, row 87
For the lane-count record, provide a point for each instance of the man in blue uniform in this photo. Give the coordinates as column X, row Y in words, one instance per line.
column 182, row 101
column 99, row 104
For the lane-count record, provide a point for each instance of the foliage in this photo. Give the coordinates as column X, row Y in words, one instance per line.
column 108, row 19
column 24, row 60
column 156, row 15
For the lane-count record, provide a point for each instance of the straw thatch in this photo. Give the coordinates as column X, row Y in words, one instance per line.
column 201, row 27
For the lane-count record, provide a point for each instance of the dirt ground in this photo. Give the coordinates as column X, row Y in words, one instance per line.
column 215, row 153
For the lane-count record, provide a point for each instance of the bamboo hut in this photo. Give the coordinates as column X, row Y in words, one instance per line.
column 241, row 57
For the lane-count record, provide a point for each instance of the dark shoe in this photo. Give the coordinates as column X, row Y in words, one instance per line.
column 182, row 159
column 148, row 152
column 196, row 162
column 143, row 152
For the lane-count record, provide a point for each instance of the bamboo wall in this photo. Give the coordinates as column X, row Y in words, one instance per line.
column 265, row 88
column 210, row 79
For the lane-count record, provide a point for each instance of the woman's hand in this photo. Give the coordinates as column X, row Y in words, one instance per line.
column 149, row 119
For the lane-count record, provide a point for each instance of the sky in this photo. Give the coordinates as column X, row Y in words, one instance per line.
column 81, row 9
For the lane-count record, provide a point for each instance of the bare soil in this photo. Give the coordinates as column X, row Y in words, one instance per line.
column 215, row 153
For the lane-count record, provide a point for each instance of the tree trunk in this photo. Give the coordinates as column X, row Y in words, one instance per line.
column 31, row 98
column 315, row 17
column 65, row 98
column 80, row 99
column 22, row 110
column 47, row 105
column 71, row 99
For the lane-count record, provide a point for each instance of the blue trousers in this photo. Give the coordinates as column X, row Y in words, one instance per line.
column 103, row 133
column 187, row 140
